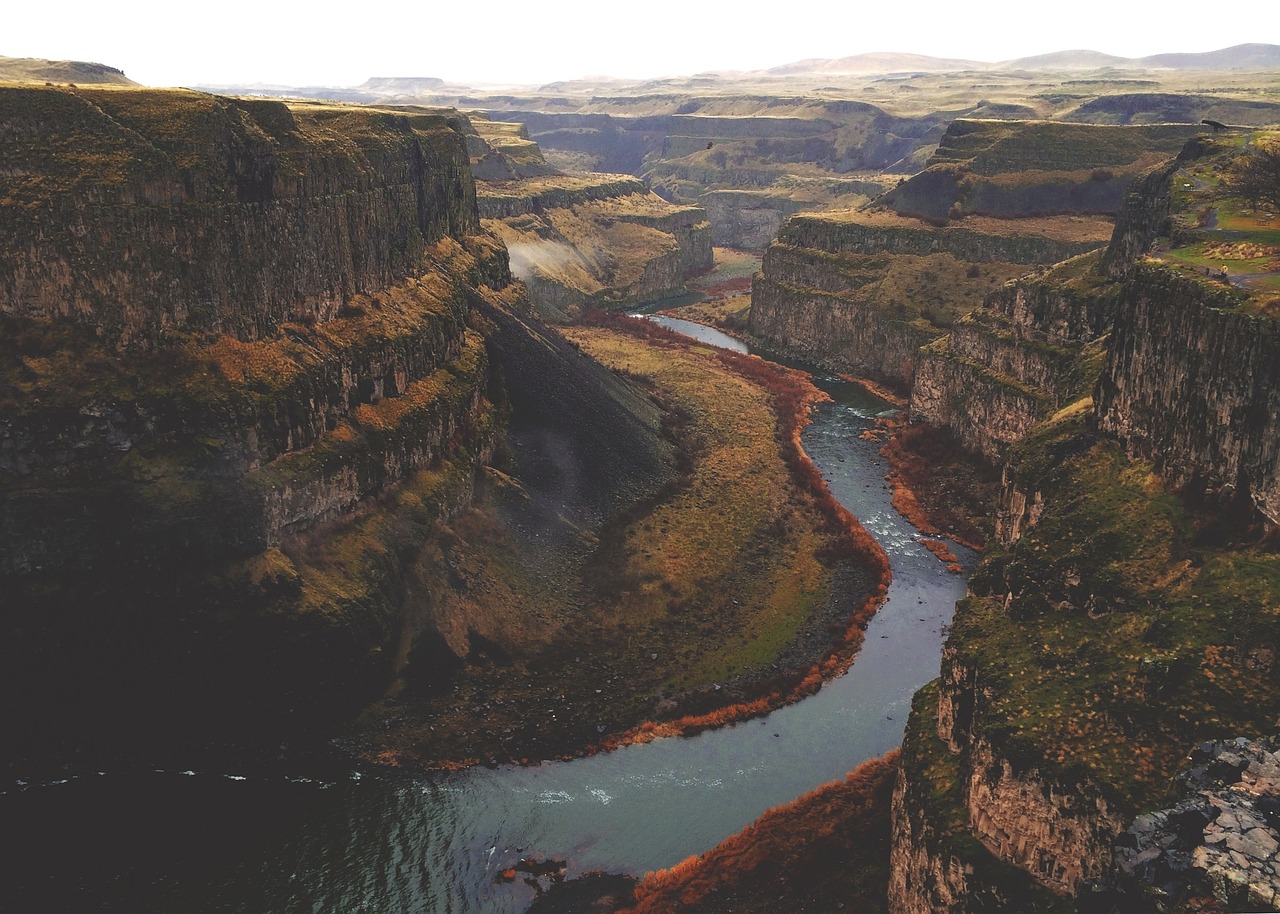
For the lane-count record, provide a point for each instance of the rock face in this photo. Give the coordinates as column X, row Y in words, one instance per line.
column 1220, row 842
column 864, row 292
column 985, row 363
column 252, row 358
column 595, row 240
column 935, row 863
column 1194, row 384
column 1034, row 347
column 144, row 212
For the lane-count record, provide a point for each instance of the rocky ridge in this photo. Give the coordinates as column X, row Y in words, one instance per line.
column 254, row 360
column 583, row 240
column 1218, row 843
column 1128, row 577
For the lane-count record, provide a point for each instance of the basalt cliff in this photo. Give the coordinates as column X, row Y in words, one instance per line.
column 865, row 290
column 286, row 452
column 1125, row 614
column 584, row 240
column 252, row 366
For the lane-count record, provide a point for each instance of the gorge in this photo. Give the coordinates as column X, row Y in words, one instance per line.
column 322, row 469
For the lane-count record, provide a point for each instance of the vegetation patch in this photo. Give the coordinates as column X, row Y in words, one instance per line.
column 937, row 485
column 1127, row 625
column 1226, row 218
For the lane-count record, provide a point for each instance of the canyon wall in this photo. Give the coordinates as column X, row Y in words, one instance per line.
column 750, row 161
column 1035, row 346
column 583, row 240
column 1193, row 384
column 595, row 240
column 140, row 213
column 909, row 289
column 1121, row 617
column 254, row 358
column 865, row 292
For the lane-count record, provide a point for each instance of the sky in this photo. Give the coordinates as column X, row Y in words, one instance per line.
column 536, row 41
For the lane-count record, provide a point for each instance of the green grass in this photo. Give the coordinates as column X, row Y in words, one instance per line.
column 1215, row 228
column 1123, row 628
column 937, row 790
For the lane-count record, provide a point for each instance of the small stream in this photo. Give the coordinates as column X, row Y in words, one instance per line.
column 217, row 841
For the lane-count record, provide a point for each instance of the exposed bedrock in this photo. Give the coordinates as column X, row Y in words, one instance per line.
column 1193, row 383
column 144, row 212
column 864, row 292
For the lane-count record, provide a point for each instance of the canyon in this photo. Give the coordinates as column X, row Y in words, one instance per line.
column 313, row 426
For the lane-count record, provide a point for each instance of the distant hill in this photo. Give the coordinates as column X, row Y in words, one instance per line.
column 1242, row 56
column 877, row 62
column 401, row 85
column 1067, row 60
column 36, row 70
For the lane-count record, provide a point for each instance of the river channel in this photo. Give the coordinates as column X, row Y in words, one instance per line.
column 222, row 841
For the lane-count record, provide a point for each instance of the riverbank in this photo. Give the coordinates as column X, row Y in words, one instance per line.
column 742, row 588
column 824, row 849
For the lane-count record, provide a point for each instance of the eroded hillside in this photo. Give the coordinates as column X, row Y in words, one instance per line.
column 281, row 439
column 1126, row 614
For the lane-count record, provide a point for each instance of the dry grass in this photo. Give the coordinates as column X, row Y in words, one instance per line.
column 829, row 846
column 1055, row 228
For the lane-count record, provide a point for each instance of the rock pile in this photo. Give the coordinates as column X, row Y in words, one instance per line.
column 1222, row 840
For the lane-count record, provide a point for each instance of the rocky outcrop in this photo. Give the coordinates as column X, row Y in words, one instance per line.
column 1193, row 383
column 145, row 213
column 595, row 240
column 1017, row 511
column 503, row 152
column 1144, row 217
column 1219, row 844
column 1060, row 833
column 986, row 409
column 865, row 291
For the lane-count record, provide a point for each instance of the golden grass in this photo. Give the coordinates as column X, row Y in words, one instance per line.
column 739, row 483
column 1055, row 228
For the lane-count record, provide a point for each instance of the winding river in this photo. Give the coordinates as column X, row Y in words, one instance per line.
column 203, row 841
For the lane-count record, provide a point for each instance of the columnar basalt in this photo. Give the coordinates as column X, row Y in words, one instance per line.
column 140, row 213
column 865, row 291
column 1193, row 383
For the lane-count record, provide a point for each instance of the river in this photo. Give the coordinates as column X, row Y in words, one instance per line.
column 222, row 841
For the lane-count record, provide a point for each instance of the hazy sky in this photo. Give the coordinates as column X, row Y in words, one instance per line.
column 496, row 41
